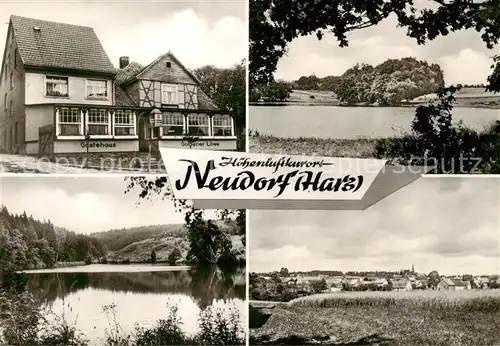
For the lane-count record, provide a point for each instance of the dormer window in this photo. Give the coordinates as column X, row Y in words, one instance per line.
column 169, row 64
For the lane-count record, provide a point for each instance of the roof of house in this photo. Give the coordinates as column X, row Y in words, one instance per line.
column 399, row 283
column 43, row 43
column 133, row 71
column 122, row 98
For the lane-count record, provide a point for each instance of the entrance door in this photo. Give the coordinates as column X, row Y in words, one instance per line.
column 144, row 134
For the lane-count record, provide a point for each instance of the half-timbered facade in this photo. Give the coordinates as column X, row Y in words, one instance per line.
column 167, row 88
column 62, row 95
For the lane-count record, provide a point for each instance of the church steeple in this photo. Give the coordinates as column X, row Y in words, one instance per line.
column 412, row 268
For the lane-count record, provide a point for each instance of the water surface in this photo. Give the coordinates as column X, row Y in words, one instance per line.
column 350, row 122
column 141, row 294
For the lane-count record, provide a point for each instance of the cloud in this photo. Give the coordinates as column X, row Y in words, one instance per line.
column 85, row 205
column 191, row 37
column 473, row 65
column 432, row 223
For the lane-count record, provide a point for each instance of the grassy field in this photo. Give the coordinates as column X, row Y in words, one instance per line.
column 386, row 318
column 356, row 148
column 466, row 97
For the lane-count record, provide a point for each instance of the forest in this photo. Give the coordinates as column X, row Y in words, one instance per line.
column 26, row 243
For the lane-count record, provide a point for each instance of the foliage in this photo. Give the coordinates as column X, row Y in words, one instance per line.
column 29, row 243
column 437, row 142
column 275, row 23
column 208, row 243
column 24, row 322
column 216, row 329
column 274, row 91
column 319, row 285
column 153, row 255
column 227, row 88
column 390, row 82
column 88, row 260
column 174, row 256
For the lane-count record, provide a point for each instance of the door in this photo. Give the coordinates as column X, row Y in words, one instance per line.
column 144, row 134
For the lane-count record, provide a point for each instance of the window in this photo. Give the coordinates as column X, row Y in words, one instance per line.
column 11, row 80
column 97, row 88
column 11, row 109
column 5, row 102
column 173, row 124
column 198, row 125
column 70, row 122
column 169, row 94
column 15, row 58
column 98, row 122
column 222, row 125
column 56, row 86
column 124, row 123
column 169, row 64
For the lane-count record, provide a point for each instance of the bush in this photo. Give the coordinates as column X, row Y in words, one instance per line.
column 435, row 141
column 88, row 259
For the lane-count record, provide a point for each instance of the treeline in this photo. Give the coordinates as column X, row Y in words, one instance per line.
column 389, row 83
column 27, row 243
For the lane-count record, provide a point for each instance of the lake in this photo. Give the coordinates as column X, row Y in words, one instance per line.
column 140, row 293
column 350, row 122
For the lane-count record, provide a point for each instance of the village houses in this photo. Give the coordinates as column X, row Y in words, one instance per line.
column 61, row 96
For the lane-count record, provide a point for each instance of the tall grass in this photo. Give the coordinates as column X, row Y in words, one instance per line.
column 446, row 303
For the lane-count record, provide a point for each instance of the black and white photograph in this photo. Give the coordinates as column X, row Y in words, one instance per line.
column 413, row 82
column 89, row 86
column 421, row 267
column 110, row 260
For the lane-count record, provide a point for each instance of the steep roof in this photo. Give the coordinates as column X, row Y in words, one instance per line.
column 128, row 73
column 171, row 56
column 122, row 98
column 44, row 43
column 399, row 283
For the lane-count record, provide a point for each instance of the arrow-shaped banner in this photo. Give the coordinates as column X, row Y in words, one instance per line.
column 236, row 180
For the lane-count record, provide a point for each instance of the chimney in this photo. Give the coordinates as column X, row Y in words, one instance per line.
column 123, row 61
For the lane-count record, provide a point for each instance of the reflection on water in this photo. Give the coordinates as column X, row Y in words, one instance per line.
column 140, row 296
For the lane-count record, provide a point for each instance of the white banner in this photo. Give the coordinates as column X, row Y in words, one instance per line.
column 237, row 180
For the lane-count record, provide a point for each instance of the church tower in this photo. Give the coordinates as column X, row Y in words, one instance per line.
column 412, row 268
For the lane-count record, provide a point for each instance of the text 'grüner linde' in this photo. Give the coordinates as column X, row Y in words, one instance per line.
column 304, row 181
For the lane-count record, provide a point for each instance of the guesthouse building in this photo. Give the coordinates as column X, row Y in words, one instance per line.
column 61, row 95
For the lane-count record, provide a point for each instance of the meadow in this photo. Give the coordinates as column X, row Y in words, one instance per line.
column 386, row 318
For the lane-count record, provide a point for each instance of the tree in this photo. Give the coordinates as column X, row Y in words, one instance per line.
column 153, row 255
column 174, row 256
column 319, row 286
column 88, row 260
column 434, row 279
column 275, row 23
column 208, row 244
column 284, row 271
column 227, row 88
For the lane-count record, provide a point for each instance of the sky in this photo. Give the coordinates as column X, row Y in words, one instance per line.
column 463, row 56
column 85, row 204
column 450, row 225
column 198, row 32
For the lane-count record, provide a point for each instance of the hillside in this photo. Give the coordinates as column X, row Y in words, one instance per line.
column 135, row 244
column 389, row 83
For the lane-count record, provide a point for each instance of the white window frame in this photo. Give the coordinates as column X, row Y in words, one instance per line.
column 166, row 136
column 231, row 126
column 87, row 96
column 209, row 135
column 55, row 76
column 133, row 117
column 58, row 123
column 175, row 87
column 108, row 123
